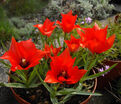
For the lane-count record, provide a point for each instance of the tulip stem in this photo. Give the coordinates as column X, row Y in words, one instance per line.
column 46, row 86
column 42, row 41
column 65, row 38
column 52, row 93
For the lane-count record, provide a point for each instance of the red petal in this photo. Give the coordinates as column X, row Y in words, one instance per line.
column 76, row 74
column 70, row 12
column 77, row 26
column 65, row 56
column 73, row 44
column 46, row 28
column 58, row 22
column 38, row 26
column 13, row 55
column 96, row 27
column 110, row 40
column 50, row 77
column 102, row 33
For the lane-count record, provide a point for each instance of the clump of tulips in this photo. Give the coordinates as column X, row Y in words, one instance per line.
column 52, row 66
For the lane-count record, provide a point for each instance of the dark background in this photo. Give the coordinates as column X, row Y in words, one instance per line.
column 6, row 96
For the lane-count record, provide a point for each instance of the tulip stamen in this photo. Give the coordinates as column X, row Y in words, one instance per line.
column 24, row 63
column 63, row 74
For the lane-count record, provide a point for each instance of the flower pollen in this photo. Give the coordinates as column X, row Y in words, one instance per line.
column 24, row 63
column 62, row 76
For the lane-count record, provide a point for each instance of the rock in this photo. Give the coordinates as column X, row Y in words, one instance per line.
column 118, row 7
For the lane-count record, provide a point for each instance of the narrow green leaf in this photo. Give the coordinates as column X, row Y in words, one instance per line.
column 100, row 73
column 4, row 46
column 84, row 57
column 66, row 98
column 34, row 80
column 21, row 74
column 32, row 76
column 54, row 99
column 14, row 85
column 45, row 66
column 45, row 84
column 19, row 85
column 65, row 91
column 85, row 93
column 7, row 65
column 75, row 92
column 92, row 64
column 34, row 85
column 15, row 78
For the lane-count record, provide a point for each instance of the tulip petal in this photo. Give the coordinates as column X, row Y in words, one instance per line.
column 50, row 78
column 46, row 28
column 62, row 70
column 110, row 40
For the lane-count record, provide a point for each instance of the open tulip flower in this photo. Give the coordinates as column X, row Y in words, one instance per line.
column 51, row 50
column 23, row 55
column 68, row 22
column 73, row 44
column 46, row 28
column 95, row 39
column 62, row 70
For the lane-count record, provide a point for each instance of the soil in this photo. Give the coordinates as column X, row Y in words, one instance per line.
column 35, row 96
column 41, row 96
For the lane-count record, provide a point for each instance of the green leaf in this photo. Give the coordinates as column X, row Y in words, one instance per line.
column 4, row 46
column 22, row 75
column 19, row 85
column 100, row 73
column 34, row 85
column 45, row 84
column 92, row 64
column 34, row 80
column 14, row 85
column 85, row 93
column 75, row 92
column 45, row 66
column 66, row 98
column 15, row 78
column 7, row 65
column 54, row 99
column 84, row 57
column 32, row 76
column 65, row 91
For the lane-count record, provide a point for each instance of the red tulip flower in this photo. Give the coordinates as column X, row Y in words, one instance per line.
column 73, row 44
column 46, row 28
column 51, row 50
column 62, row 70
column 68, row 22
column 95, row 39
column 23, row 55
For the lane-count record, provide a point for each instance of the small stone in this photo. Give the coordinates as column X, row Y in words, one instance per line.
column 38, row 91
column 46, row 102
column 32, row 97
column 27, row 92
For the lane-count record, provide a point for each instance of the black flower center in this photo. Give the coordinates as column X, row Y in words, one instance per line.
column 24, row 63
column 63, row 74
